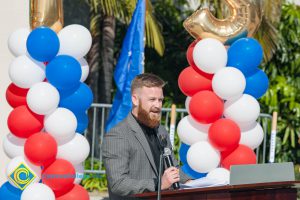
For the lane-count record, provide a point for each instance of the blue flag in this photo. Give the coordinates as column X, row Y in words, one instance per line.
column 130, row 64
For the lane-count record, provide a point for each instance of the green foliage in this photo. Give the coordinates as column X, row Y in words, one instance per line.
column 94, row 181
column 284, row 92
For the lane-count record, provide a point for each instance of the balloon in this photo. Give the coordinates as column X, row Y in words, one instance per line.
column 42, row 98
column 229, row 83
column 44, row 13
column 220, row 174
column 23, row 123
column 84, row 68
column 82, row 122
column 60, row 175
column 202, row 157
column 75, row 40
column 187, row 104
column 190, row 172
column 190, row 82
column 79, row 173
column 75, row 151
column 42, row 44
column 22, row 172
column 183, row 151
column 61, row 124
column 79, row 101
column 76, row 193
column 257, row 84
column 224, row 134
column 244, row 110
column 13, row 146
column 242, row 155
column 253, row 136
column 246, row 55
column 210, row 55
column 17, row 41
column 25, row 72
column 244, row 21
column 9, row 192
column 190, row 131
column 16, row 96
column 38, row 191
column 41, row 149
column 64, row 72
column 206, row 107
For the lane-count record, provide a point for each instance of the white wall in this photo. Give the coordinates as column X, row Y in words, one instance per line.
column 14, row 14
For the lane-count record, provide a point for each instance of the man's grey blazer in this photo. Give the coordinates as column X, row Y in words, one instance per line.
column 130, row 166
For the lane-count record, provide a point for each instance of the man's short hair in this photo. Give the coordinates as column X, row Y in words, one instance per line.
column 146, row 80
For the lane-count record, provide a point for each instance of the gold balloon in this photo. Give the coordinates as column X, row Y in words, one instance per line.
column 243, row 21
column 46, row 13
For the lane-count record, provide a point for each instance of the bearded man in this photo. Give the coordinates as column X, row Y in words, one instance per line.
column 131, row 150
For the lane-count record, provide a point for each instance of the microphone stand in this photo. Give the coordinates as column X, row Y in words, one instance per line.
column 159, row 175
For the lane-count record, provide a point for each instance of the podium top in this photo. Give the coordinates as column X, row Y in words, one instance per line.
column 243, row 187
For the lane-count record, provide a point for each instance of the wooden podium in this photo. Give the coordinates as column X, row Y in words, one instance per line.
column 260, row 191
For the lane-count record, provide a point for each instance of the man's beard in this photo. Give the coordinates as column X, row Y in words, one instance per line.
column 145, row 118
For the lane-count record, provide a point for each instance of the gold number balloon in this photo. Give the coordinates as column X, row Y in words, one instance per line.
column 46, row 13
column 243, row 21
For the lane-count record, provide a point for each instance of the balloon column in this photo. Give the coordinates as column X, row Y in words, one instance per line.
column 49, row 101
column 222, row 85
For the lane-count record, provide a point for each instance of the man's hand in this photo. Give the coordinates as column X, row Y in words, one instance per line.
column 170, row 176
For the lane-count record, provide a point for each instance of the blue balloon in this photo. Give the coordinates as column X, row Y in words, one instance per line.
column 79, row 101
column 82, row 122
column 64, row 72
column 190, row 172
column 42, row 44
column 182, row 152
column 246, row 55
column 257, row 84
column 7, row 191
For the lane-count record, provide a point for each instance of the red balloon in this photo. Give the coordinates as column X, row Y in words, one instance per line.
column 224, row 134
column 76, row 193
column 190, row 82
column 242, row 155
column 59, row 175
column 190, row 59
column 41, row 149
column 22, row 122
column 206, row 107
column 16, row 96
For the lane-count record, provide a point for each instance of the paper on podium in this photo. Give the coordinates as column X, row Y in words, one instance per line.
column 204, row 182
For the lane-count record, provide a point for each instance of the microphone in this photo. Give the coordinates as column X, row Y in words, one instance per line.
column 169, row 163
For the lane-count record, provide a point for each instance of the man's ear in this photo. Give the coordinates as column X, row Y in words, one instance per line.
column 135, row 99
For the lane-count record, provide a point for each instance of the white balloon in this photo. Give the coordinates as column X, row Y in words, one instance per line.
column 25, row 72
column 84, row 69
column 17, row 42
column 75, row 151
column 202, row 157
column 61, row 124
column 229, row 83
column 38, row 191
column 210, row 55
column 220, row 174
column 14, row 165
column 190, row 131
column 187, row 104
column 13, row 146
column 42, row 98
column 244, row 110
column 253, row 136
column 79, row 173
column 75, row 40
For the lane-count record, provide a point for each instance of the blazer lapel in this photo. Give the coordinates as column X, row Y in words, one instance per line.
column 139, row 134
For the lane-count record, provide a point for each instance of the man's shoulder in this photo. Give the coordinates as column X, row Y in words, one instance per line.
column 121, row 127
